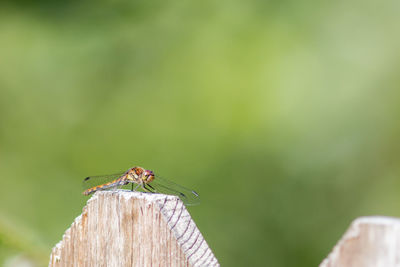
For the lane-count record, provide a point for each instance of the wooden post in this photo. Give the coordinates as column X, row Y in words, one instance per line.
column 369, row 242
column 124, row 228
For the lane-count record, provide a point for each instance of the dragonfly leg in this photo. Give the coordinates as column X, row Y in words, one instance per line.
column 149, row 185
column 148, row 189
column 134, row 189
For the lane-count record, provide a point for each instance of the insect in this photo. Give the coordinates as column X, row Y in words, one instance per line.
column 139, row 177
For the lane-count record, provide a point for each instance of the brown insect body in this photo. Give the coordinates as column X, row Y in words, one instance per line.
column 141, row 178
column 136, row 175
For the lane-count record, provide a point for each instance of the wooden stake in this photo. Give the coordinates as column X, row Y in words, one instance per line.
column 124, row 228
column 369, row 242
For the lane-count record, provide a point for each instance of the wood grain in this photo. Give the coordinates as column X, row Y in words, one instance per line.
column 124, row 228
column 369, row 242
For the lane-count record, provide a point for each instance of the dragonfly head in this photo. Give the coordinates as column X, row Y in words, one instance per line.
column 148, row 176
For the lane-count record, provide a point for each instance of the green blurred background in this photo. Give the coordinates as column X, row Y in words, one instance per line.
column 283, row 115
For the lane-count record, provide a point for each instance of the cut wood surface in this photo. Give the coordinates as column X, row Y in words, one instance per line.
column 124, row 228
column 369, row 242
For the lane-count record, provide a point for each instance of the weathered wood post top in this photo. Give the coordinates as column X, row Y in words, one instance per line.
column 125, row 228
column 372, row 241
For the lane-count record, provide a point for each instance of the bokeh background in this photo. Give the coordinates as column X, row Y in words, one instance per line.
column 283, row 115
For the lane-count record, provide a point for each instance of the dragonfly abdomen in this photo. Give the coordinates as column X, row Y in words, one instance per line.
column 108, row 185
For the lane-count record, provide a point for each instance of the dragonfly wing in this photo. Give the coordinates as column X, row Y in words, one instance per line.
column 188, row 196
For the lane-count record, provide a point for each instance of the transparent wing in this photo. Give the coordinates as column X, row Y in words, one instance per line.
column 164, row 186
column 93, row 181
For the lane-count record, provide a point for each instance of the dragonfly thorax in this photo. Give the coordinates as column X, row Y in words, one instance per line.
column 140, row 175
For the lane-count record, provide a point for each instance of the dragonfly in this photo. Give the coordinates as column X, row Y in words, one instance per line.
column 139, row 177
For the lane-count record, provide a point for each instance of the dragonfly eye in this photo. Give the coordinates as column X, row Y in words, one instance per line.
column 150, row 178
